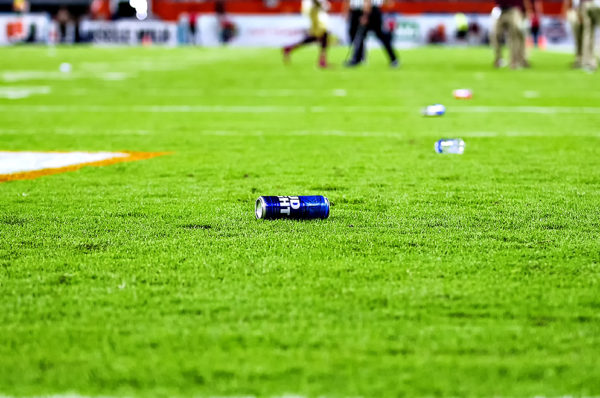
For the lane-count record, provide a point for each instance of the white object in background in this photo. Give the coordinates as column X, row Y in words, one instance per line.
column 434, row 110
column 65, row 67
column 463, row 93
column 453, row 146
column 495, row 14
column 20, row 162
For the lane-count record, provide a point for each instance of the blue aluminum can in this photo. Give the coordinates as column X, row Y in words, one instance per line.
column 297, row 207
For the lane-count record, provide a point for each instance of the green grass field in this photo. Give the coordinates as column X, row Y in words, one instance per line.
column 474, row 275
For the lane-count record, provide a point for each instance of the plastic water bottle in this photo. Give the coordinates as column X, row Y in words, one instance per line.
column 434, row 110
column 450, row 145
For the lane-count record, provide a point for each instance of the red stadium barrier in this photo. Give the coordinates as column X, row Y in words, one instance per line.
column 172, row 9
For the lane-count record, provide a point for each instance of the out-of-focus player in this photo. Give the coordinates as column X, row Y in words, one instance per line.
column 20, row 6
column 590, row 18
column 511, row 15
column 570, row 11
column 371, row 19
column 536, row 22
column 317, row 12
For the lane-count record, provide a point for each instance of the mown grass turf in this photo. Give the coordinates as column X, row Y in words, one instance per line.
column 473, row 275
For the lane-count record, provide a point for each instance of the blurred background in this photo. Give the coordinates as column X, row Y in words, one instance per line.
column 252, row 22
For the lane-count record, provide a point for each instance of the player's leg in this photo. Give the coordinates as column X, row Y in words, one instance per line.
column 312, row 36
column 287, row 50
column 578, row 33
column 324, row 39
column 353, row 22
column 355, row 16
column 496, row 37
column 595, row 16
column 587, row 43
column 520, row 21
column 319, row 30
column 535, row 33
column 358, row 46
column 517, row 38
column 577, row 28
column 376, row 22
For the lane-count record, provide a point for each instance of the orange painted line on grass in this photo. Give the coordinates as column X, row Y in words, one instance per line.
column 30, row 175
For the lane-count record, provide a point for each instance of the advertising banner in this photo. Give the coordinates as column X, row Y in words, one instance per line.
column 130, row 32
column 19, row 28
column 260, row 30
column 407, row 30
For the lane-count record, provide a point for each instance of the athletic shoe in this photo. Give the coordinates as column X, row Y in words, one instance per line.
column 590, row 68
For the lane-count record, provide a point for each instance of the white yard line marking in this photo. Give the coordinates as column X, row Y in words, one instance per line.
column 545, row 110
column 30, row 165
column 16, row 92
column 388, row 134
column 231, row 92
column 17, row 76
column 302, row 133
column 19, row 162
column 62, row 131
column 163, row 109
column 292, row 133
column 163, row 65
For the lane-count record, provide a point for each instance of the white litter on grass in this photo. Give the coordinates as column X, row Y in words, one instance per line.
column 65, row 67
column 16, row 92
column 19, row 162
column 340, row 93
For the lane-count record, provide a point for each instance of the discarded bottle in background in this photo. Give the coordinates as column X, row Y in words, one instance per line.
column 434, row 110
column 450, row 146
column 463, row 93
